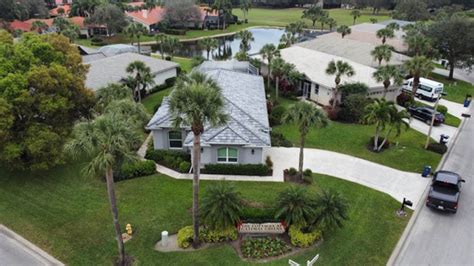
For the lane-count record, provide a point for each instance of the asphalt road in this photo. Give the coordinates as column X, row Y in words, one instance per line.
column 439, row 238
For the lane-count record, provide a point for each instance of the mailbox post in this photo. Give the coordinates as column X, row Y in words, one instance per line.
column 401, row 211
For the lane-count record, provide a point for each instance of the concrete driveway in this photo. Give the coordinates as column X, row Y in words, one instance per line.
column 436, row 132
column 17, row 251
column 396, row 183
column 455, row 109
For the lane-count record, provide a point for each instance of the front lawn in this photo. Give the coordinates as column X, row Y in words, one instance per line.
column 68, row 216
column 153, row 100
column 456, row 89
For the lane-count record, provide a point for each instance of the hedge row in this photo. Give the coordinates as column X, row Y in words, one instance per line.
column 303, row 239
column 135, row 169
column 185, row 235
column 176, row 160
column 237, row 169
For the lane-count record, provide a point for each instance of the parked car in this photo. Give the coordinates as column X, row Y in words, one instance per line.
column 445, row 191
column 425, row 114
column 427, row 89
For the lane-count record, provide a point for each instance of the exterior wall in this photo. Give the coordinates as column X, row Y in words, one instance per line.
column 209, row 155
column 161, row 139
column 322, row 95
column 392, row 93
column 161, row 77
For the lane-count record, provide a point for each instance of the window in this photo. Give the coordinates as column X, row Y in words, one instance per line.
column 227, row 155
column 316, row 89
column 175, row 139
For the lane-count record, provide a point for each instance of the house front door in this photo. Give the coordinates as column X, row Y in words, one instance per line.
column 306, row 89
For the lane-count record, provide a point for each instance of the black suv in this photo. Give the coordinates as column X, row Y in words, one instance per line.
column 425, row 114
column 444, row 191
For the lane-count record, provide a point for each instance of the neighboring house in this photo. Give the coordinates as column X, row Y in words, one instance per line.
column 115, row 49
column 232, row 65
column 240, row 141
column 112, row 69
column 318, row 86
column 89, row 54
column 55, row 12
column 26, row 25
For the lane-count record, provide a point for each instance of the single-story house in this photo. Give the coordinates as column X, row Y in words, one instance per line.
column 25, row 26
column 318, row 86
column 356, row 51
column 240, row 141
column 112, row 69
column 232, row 65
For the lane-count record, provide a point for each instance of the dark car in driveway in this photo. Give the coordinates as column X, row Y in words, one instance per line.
column 445, row 191
column 425, row 114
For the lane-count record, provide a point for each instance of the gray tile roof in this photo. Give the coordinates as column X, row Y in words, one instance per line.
column 92, row 57
column 245, row 103
column 232, row 65
column 112, row 69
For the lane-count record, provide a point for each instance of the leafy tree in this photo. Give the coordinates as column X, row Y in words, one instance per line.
column 382, row 52
column 181, row 13
column 109, row 15
column 324, row 20
column 454, row 38
column 339, row 69
column 61, row 23
column 42, row 78
column 418, row 66
column 221, row 206
column 84, row 8
column 136, row 30
column 209, row 44
column 386, row 74
column 129, row 111
column 331, row 211
column 72, row 32
column 355, row 14
column 111, row 92
column 8, row 10
column 245, row 6
column 313, row 13
column 5, row 37
column 344, row 30
column 224, row 9
column 39, row 26
column 197, row 101
column 393, row 26
column 107, row 140
column 373, row 20
column 385, row 33
column 269, row 52
column 305, row 116
column 411, row 10
column 331, row 23
column 141, row 78
column 246, row 37
column 294, row 206
column 171, row 45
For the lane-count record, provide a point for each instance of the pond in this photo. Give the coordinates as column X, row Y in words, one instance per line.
column 230, row 45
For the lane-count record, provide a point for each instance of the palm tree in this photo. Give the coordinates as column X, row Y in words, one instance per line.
column 355, row 14
column 394, row 26
column 107, row 140
column 418, row 45
column 196, row 101
column 245, row 6
column 331, row 23
column 269, row 52
column 279, row 69
column 323, row 20
column 109, row 93
column 221, row 206
column 373, row 20
column 385, row 33
column 223, row 7
column 39, row 26
column 313, row 13
column 171, row 45
column 209, row 44
column 398, row 120
column 382, row 52
column 418, row 66
column 331, row 210
column 160, row 40
column 61, row 23
column 378, row 113
column 136, row 30
column 306, row 116
column 246, row 37
column 386, row 74
column 297, row 28
column 294, row 206
column 340, row 69
column 344, row 30
column 287, row 39
column 142, row 77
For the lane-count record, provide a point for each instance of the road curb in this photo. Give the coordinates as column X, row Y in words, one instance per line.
column 37, row 252
column 402, row 241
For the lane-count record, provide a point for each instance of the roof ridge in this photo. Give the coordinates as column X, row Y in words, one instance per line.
column 225, row 128
column 236, row 106
column 248, row 129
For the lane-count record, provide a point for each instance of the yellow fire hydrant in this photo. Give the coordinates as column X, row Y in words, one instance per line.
column 129, row 229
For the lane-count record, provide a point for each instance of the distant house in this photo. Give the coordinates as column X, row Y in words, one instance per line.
column 55, row 12
column 25, row 26
column 318, row 86
column 240, row 141
column 112, row 69
column 232, row 65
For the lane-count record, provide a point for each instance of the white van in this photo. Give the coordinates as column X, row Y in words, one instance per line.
column 427, row 89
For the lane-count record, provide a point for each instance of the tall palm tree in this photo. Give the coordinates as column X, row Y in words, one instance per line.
column 386, row 74
column 340, row 69
column 197, row 101
column 245, row 6
column 39, row 26
column 344, row 30
column 288, row 39
column 209, row 44
column 313, row 13
column 382, row 52
column 385, row 33
column 136, row 30
column 141, row 77
column 418, row 45
column 355, row 14
column 398, row 120
column 331, row 23
column 378, row 113
column 306, row 116
column 171, row 45
column 294, row 206
column 160, row 41
column 297, row 28
column 280, row 68
column 331, row 210
column 107, row 140
column 418, row 66
column 324, row 20
column 269, row 52
column 221, row 206
column 246, row 37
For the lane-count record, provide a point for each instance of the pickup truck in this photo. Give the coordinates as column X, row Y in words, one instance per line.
column 445, row 191
column 425, row 114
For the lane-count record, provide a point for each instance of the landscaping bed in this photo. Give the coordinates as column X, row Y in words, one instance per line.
column 176, row 160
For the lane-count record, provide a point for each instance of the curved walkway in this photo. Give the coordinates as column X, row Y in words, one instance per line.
column 396, row 183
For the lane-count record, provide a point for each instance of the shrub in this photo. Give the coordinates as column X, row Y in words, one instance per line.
column 307, row 172
column 269, row 162
column 442, row 109
column 185, row 236
column 300, row 239
column 170, row 159
column 292, row 171
column 438, row 148
column 135, row 169
column 237, row 169
column 258, row 215
column 263, row 247
column 308, row 179
column 278, row 140
column 221, row 206
column 184, row 167
column 175, row 31
column 239, row 22
column 353, row 107
column 333, row 113
column 276, row 115
column 218, row 235
column 404, row 99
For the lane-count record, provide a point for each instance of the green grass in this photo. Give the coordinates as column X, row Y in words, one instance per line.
column 456, row 89
column 68, row 216
column 451, row 120
column 152, row 100
column 185, row 63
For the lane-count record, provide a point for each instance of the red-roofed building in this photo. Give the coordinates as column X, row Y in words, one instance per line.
column 55, row 11
column 20, row 25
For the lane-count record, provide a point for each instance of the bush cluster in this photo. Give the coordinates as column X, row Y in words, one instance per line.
column 168, row 83
column 175, row 31
column 263, row 247
column 442, row 109
column 276, row 115
column 308, row 176
column 405, row 100
column 185, row 235
column 176, row 160
column 96, row 41
column 438, row 148
column 301, row 239
column 135, row 169
column 353, row 108
column 278, row 140
column 237, row 169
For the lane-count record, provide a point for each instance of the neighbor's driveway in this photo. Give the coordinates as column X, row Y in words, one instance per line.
column 455, row 109
column 396, row 183
column 435, row 132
